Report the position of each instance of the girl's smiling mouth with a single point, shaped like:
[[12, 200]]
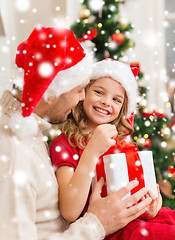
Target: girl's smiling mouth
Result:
[[102, 110]]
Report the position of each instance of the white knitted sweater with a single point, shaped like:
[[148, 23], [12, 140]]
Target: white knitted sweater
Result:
[[29, 190]]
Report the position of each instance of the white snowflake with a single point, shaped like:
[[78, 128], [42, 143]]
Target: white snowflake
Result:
[[20, 177], [42, 166], [57, 8], [5, 49], [75, 157], [45, 138], [47, 214], [58, 149], [22, 5], [137, 163], [144, 232], [4, 158], [92, 174], [64, 155], [112, 165], [45, 69], [34, 10], [71, 169], [96, 5], [49, 183]]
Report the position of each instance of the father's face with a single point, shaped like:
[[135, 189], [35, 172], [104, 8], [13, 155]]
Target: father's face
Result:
[[61, 106]]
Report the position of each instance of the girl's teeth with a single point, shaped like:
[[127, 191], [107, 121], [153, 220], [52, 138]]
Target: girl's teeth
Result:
[[101, 110]]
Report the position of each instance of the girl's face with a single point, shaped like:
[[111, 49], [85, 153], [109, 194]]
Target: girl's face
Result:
[[103, 101]]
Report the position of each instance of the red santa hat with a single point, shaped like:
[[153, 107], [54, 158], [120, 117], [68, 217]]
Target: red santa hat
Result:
[[122, 73], [53, 62]]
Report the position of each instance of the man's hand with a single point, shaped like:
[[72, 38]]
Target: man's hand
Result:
[[115, 213]]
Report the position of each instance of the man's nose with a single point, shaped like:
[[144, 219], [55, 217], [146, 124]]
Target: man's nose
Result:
[[82, 95]]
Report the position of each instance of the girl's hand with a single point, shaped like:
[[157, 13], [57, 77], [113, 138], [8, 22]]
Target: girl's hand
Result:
[[154, 207], [102, 139]]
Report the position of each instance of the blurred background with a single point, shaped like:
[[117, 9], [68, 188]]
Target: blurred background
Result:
[[138, 32]]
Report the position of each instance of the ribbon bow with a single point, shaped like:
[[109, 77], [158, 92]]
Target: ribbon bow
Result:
[[135, 169]]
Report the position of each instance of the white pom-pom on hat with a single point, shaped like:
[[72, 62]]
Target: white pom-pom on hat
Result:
[[23, 127]]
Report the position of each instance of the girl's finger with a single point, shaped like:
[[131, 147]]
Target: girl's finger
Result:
[[150, 193], [136, 197]]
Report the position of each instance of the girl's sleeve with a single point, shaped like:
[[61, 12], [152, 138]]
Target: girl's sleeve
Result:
[[62, 154]]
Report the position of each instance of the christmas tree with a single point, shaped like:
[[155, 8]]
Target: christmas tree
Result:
[[101, 24]]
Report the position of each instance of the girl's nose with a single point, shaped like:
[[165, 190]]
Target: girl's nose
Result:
[[106, 101]]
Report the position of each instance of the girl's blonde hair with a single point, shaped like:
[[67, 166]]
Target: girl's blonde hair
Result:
[[75, 126]]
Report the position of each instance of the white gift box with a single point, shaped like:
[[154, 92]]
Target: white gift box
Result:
[[116, 171]]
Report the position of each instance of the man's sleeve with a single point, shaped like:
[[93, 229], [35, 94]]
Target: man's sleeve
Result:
[[18, 206], [86, 228], [17, 198]]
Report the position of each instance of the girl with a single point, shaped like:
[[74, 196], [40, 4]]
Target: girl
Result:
[[90, 131]]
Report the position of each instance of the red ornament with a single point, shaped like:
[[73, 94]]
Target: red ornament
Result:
[[171, 170], [93, 32], [118, 38], [135, 64], [147, 143], [172, 123]]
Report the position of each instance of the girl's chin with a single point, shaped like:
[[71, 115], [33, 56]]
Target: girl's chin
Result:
[[97, 123]]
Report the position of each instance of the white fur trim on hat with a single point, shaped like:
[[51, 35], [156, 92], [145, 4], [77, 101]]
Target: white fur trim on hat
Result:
[[23, 127], [122, 73], [70, 78]]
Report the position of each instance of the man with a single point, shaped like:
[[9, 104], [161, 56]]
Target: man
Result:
[[56, 70]]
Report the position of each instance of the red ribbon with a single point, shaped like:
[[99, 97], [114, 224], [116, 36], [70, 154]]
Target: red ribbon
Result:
[[135, 169], [153, 113], [88, 36]]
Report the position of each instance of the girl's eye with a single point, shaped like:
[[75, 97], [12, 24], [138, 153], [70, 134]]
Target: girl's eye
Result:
[[98, 92], [116, 100]]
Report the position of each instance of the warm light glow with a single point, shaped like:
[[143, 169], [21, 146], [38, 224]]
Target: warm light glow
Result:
[[100, 25], [151, 117], [146, 135], [170, 175], [168, 104], [86, 21]]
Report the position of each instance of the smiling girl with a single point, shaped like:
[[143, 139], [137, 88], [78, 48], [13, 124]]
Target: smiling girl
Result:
[[90, 131]]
